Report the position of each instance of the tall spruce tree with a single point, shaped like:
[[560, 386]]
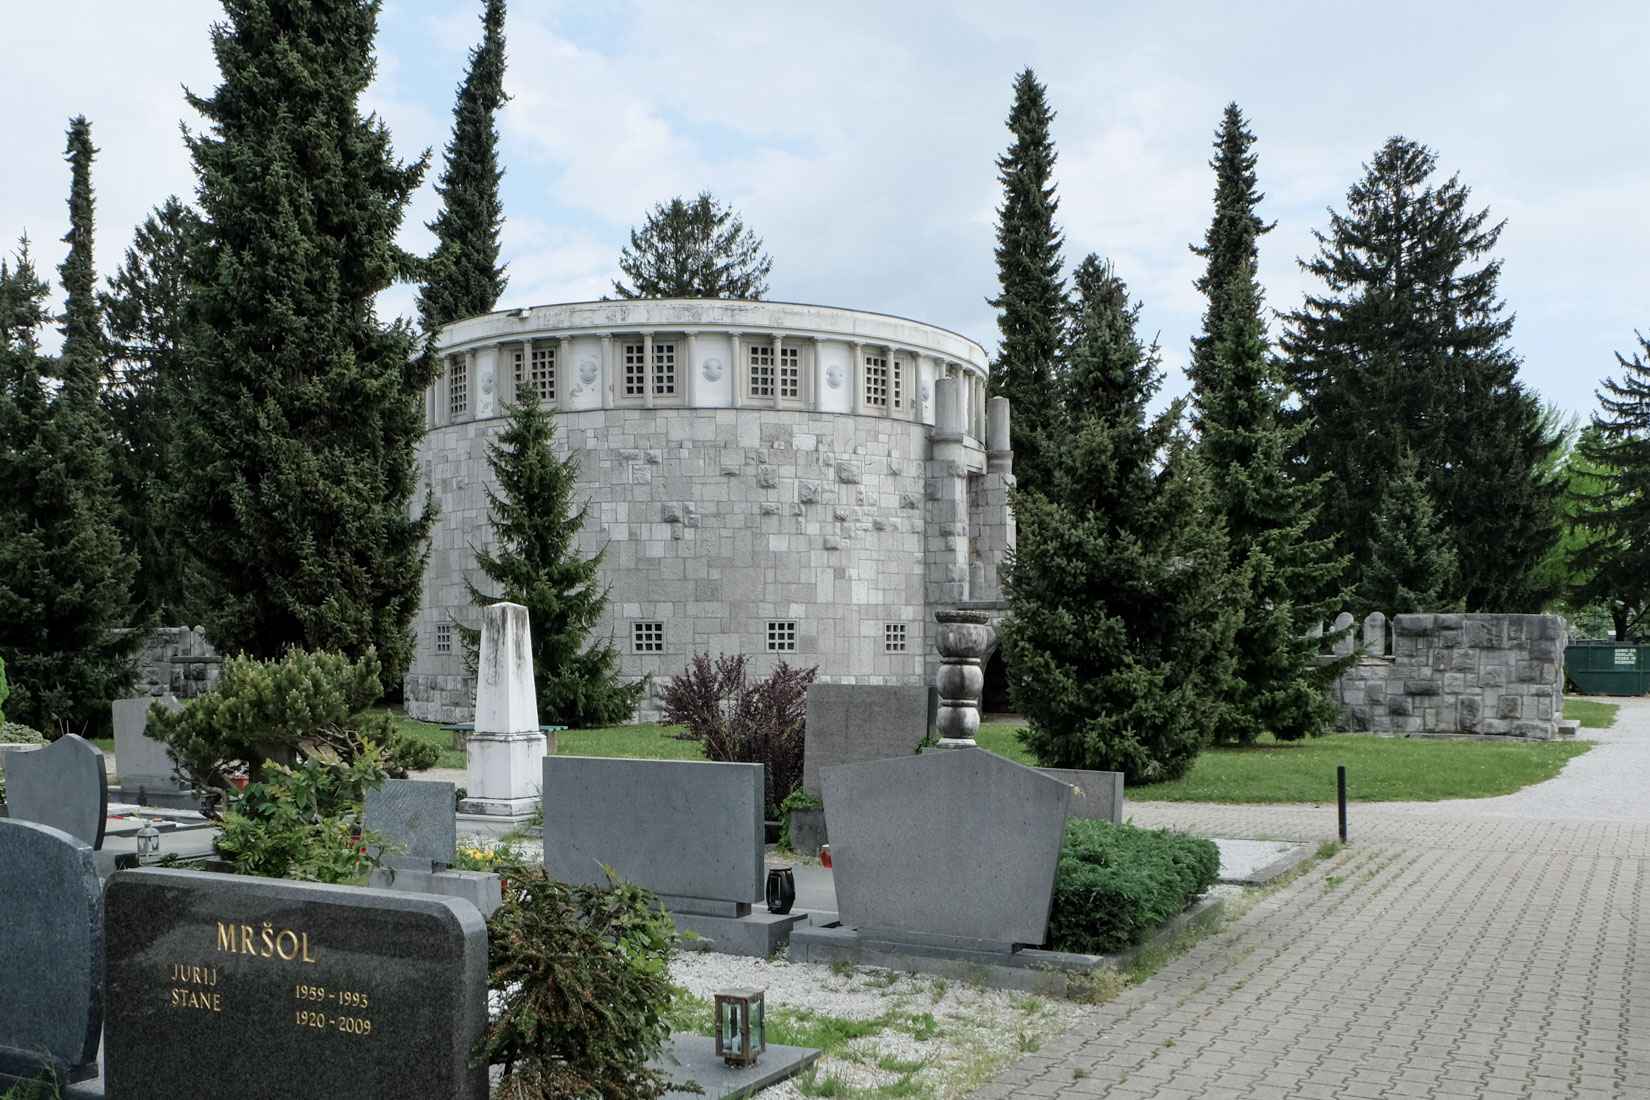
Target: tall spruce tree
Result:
[[464, 277], [143, 311], [1406, 351], [304, 409], [697, 249], [1612, 505], [1412, 566], [1031, 300], [535, 562], [1119, 635]]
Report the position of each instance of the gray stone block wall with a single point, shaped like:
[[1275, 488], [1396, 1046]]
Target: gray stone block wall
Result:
[[1500, 675], [177, 661]]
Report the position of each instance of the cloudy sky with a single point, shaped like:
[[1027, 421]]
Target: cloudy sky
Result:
[[858, 138]]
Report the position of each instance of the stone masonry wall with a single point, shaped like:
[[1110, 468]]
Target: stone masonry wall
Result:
[[1456, 674], [177, 660]]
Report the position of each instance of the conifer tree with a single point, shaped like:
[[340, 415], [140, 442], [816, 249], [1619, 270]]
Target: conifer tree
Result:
[[1412, 566], [535, 562], [1405, 350], [464, 277], [1031, 300], [143, 312], [697, 249], [1613, 505], [304, 409], [1119, 636]]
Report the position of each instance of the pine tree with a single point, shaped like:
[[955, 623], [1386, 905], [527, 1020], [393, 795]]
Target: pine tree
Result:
[[1031, 301], [464, 278], [535, 562], [1412, 567], [143, 311], [697, 249], [304, 410], [1613, 512], [1119, 636], [1229, 245], [1406, 351]]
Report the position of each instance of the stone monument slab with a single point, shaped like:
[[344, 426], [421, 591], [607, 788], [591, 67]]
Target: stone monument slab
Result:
[[956, 843], [504, 750], [64, 785], [1095, 796], [51, 953], [141, 761], [851, 723], [418, 816], [268, 989], [687, 828]]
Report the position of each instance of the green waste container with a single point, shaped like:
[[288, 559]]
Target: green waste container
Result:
[[1607, 668]]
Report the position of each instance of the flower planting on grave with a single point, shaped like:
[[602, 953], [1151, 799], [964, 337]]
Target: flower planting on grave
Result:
[[580, 976], [1118, 884], [305, 822], [740, 720]]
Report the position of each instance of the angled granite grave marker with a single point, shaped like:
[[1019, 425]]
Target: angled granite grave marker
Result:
[[141, 762], [416, 815], [262, 989], [51, 953], [848, 723], [64, 785]]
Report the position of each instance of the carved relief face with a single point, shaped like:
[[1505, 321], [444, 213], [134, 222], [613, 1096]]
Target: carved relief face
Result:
[[712, 369], [833, 376]]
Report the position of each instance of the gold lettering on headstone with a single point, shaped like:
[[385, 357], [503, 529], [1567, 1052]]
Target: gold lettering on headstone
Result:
[[264, 942]]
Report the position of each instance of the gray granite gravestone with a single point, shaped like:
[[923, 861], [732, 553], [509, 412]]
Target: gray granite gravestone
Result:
[[141, 762], [1095, 796], [263, 989], [51, 953], [418, 816], [849, 723], [64, 785], [955, 844]]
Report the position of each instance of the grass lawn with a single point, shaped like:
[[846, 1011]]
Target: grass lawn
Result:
[[641, 742], [1591, 713]]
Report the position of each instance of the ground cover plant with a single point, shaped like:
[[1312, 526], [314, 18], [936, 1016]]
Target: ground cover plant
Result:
[[1117, 884]]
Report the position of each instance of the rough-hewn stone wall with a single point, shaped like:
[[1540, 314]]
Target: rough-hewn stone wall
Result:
[[1457, 674], [177, 660]]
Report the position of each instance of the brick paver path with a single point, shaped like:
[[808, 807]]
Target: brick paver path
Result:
[[1485, 948]]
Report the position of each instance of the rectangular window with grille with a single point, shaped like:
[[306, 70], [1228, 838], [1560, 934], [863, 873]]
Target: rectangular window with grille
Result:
[[894, 380], [541, 373], [876, 381], [647, 637], [458, 387], [635, 370], [443, 637], [790, 372], [782, 636], [664, 370], [893, 637], [761, 371]]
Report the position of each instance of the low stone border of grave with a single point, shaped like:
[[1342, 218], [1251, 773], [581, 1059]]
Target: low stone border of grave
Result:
[[696, 1060], [1029, 970], [1265, 876]]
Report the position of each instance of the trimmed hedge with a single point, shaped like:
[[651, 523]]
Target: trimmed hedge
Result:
[[1117, 884]]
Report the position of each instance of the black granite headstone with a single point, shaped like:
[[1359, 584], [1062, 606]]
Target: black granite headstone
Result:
[[64, 785], [262, 989], [51, 952]]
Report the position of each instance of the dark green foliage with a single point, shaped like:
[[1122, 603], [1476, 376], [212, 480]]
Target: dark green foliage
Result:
[[583, 974], [303, 411], [1412, 566], [143, 311], [303, 706], [1031, 299], [1611, 501], [697, 249], [1405, 352], [464, 277], [304, 823], [1119, 639], [5, 690], [535, 562], [1118, 884], [743, 721]]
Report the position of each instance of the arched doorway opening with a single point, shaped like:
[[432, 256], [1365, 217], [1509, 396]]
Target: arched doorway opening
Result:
[[994, 699]]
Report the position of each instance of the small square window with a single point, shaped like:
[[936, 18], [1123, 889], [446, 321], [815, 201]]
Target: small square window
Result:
[[647, 637], [443, 637], [635, 370], [893, 637], [782, 636], [458, 387]]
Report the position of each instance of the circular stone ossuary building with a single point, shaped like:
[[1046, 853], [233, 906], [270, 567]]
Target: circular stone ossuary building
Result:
[[786, 481]]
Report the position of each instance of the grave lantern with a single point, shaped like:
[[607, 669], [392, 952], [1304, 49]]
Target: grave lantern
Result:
[[148, 840], [741, 1031]]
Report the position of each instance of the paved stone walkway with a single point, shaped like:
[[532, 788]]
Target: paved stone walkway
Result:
[[1480, 948]]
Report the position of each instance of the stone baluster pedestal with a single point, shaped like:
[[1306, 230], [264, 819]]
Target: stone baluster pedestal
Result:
[[506, 751], [962, 640]]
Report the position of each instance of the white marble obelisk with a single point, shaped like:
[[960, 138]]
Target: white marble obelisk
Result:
[[506, 756]]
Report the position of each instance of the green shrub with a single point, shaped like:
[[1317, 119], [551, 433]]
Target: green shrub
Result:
[[1117, 884], [582, 974], [302, 706], [304, 822], [4, 691], [16, 733]]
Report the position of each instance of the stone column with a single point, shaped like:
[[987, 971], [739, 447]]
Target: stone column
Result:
[[816, 375], [647, 370], [736, 377], [946, 537], [566, 372], [962, 639], [506, 751], [605, 378], [690, 377]]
